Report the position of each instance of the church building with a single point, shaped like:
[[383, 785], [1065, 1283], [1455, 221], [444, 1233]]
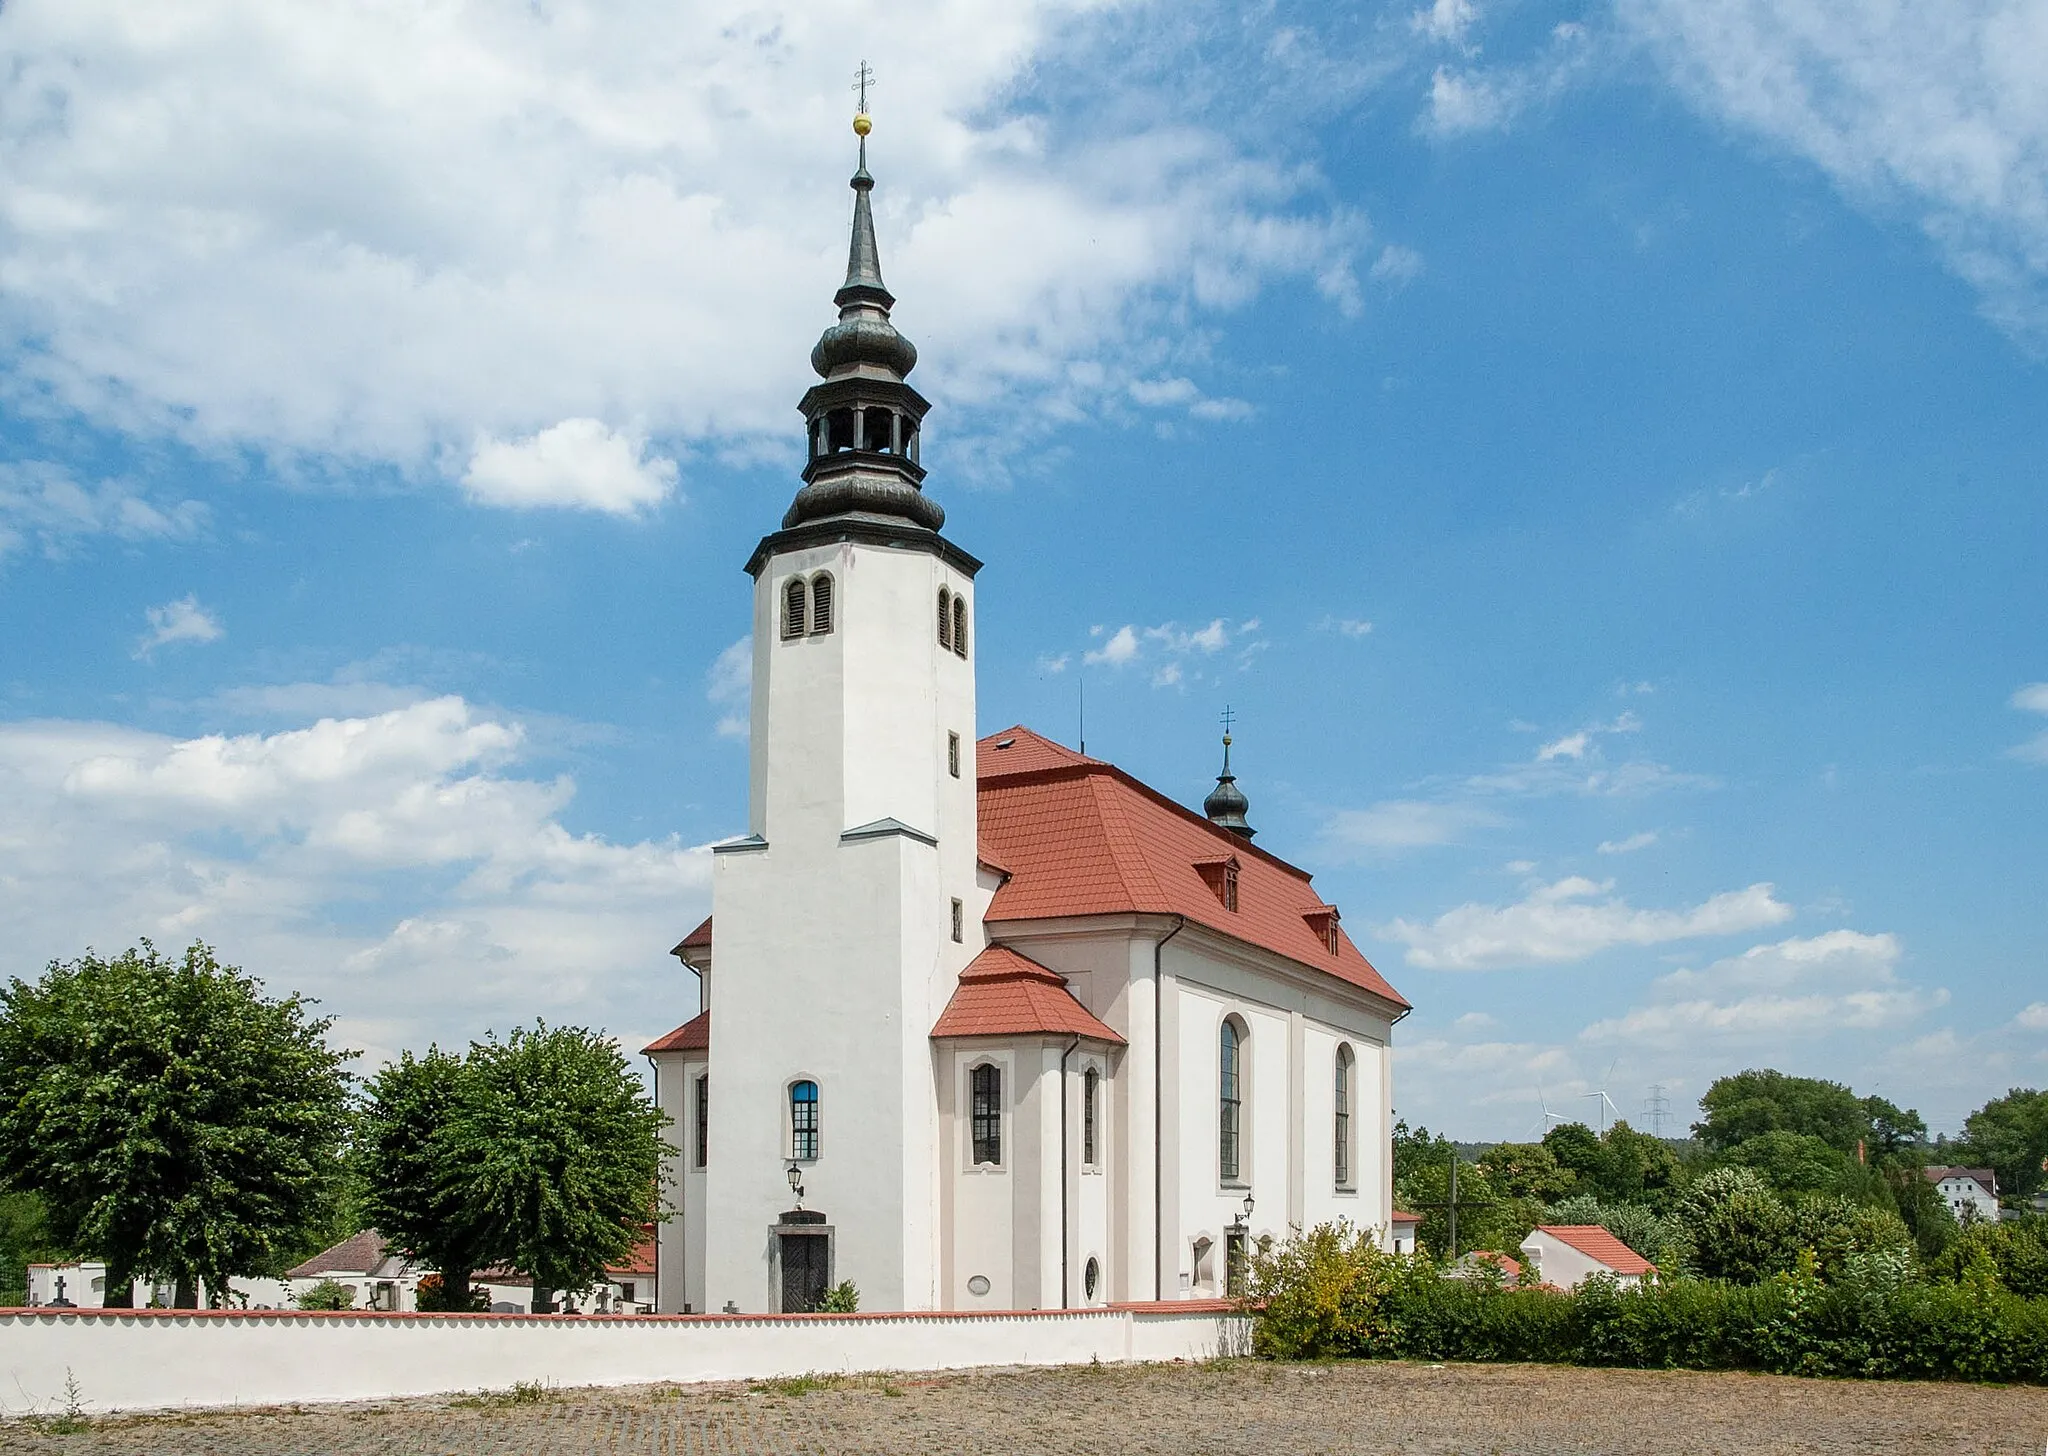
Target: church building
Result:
[[988, 1024]]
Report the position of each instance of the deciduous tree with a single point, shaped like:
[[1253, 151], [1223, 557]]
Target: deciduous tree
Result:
[[417, 1192]]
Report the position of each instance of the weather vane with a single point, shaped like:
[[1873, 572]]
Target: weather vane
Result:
[[862, 79]]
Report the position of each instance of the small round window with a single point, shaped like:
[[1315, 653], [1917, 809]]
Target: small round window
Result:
[[978, 1285], [1090, 1277]]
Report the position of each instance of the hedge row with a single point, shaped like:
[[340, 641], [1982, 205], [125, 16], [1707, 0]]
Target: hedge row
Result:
[[1330, 1293]]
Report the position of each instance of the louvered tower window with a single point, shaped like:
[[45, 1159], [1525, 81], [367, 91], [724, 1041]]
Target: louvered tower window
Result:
[[796, 616], [960, 626], [821, 604], [945, 619]]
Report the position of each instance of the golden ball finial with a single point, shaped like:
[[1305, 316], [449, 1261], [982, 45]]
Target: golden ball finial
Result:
[[862, 123]]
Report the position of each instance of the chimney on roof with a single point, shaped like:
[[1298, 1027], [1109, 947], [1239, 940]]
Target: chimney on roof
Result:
[[1226, 803]]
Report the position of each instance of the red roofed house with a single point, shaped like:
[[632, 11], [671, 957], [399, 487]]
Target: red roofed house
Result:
[[997, 1025], [1567, 1255]]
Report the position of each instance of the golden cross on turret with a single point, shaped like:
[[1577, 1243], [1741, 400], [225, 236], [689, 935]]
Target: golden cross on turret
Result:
[[1228, 718], [862, 79]]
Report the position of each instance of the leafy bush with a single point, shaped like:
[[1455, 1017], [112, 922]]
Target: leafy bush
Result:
[[2015, 1253], [1332, 1292], [328, 1294], [841, 1298], [432, 1294]]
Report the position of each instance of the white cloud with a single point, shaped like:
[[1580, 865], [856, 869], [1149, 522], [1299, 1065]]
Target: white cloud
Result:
[[42, 503], [2034, 1017], [577, 463], [1171, 651], [1932, 109], [2033, 698], [1345, 626], [181, 621], [1396, 265], [1445, 20], [1565, 921], [1394, 825], [397, 865], [729, 685], [1629, 845], [382, 232], [1493, 98], [1572, 746], [1052, 664], [1122, 647]]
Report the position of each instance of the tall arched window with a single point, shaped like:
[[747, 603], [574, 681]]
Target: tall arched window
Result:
[[985, 1086], [1343, 1116], [1230, 1100], [945, 619], [796, 616], [960, 626], [803, 1120], [1091, 1087], [821, 603]]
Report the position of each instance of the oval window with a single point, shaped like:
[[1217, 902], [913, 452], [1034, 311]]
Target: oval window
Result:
[[978, 1285], [1090, 1277]]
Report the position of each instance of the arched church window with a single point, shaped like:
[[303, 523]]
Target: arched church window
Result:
[[985, 1085], [1091, 1087], [796, 615], [959, 626], [803, 1120], [1343, 1116], [821, 604], [945, 619], [1230, 1100]]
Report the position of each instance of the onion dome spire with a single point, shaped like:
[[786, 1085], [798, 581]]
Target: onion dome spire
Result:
[[863, 421], [1226, 804]]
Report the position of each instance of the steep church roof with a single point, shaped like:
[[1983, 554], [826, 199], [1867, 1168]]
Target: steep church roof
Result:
[[1002, 993], [1082, 837]]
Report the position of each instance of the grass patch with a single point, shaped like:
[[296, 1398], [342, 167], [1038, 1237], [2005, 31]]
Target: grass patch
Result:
[[796, 1385], [521, 1392]]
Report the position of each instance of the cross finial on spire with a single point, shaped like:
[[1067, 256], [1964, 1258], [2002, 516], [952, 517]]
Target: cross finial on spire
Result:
[[1229, 718], [862, 79]]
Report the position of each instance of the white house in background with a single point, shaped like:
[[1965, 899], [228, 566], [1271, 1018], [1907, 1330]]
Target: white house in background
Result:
[[382, 1280], [1971, 1193], [1567, 1255], [1401, 1230], [986, 1024]]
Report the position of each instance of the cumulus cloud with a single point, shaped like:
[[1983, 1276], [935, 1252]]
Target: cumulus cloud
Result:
[[729, 686], [577, 463], [1395, 825], [399, 865], [1445, 20], [2033, 698], [2034, 1017], [1170, 651], [1476, 99], [44, 505], [1570, 920], [1629, 845], [384, 232], [1933, 110], [181, 621]]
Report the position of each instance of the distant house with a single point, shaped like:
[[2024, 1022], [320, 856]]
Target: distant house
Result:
[[1403, 1227], [1567, 1255], [378, 1278], [1472, 1265], [1971, 1193]]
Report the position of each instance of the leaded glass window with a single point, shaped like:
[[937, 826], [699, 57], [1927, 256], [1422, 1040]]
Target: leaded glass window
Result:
[[986, 1095], [803, 1120]]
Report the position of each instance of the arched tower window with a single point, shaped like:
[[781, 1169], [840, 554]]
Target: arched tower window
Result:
[[1343, 1116], [1091, 1088], [985, 1086], [796, 615], [945, 619], [880, 424], [839, 431], [959, 626], [821, 603], [803, 1121], [1230, 1100]]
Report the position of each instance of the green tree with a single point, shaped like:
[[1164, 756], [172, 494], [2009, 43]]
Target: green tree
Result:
[[1751, 1103], [560, 1153], [1640, 1167], [1836, 1228], [177, 1122], [2010, 1134], [1417, 1149], [1895, 1132], [2016, 1248], [1525, 1170], [1921, 1208], [1793, 1162], [416, 1184], [1578, 1148], [1731, 1226], [25, 1239]]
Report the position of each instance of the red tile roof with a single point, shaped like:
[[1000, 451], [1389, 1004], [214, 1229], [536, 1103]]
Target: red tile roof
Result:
[[698, 939], [1082, 837], [1597, 1244], [639, 1264], [1403, 1216], [357, 1255], [1510, 1267], [1002, 993], [693, 1035]]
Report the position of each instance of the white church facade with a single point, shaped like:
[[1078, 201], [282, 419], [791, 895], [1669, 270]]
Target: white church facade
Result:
[[986, 1024]]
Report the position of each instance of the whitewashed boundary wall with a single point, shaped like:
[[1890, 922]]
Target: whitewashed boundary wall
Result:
[[158, 1359]]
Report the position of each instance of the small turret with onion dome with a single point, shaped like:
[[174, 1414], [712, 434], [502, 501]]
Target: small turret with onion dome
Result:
[[863, 421], [1226, 805]]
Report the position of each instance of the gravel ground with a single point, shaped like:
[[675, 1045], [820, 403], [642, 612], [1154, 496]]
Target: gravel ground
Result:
[[1235, 1408]]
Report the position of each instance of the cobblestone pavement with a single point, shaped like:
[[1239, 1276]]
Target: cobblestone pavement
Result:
[[1240, 1408]]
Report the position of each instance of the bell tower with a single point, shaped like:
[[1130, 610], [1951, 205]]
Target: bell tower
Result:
[[843, 918]]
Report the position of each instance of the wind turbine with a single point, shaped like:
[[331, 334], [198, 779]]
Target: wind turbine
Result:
[[1548, 1117], [1606, 1102]]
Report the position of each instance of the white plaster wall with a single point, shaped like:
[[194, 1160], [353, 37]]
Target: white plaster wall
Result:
[[679, 1239], [169, 1359], [1089, 1222], [1362, 1203], [1559, 1263], [981, 1204]]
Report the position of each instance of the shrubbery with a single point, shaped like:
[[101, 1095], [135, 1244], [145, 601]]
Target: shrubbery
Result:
[[1333, 1292]]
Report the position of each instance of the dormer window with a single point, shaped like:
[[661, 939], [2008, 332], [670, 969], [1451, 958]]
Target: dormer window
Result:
[[1220, 875], [1323, 921]]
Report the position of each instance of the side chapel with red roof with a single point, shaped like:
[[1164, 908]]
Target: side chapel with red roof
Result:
[[987, 1024]]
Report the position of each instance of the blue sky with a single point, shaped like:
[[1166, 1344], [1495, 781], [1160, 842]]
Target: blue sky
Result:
[[1597, 449]]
